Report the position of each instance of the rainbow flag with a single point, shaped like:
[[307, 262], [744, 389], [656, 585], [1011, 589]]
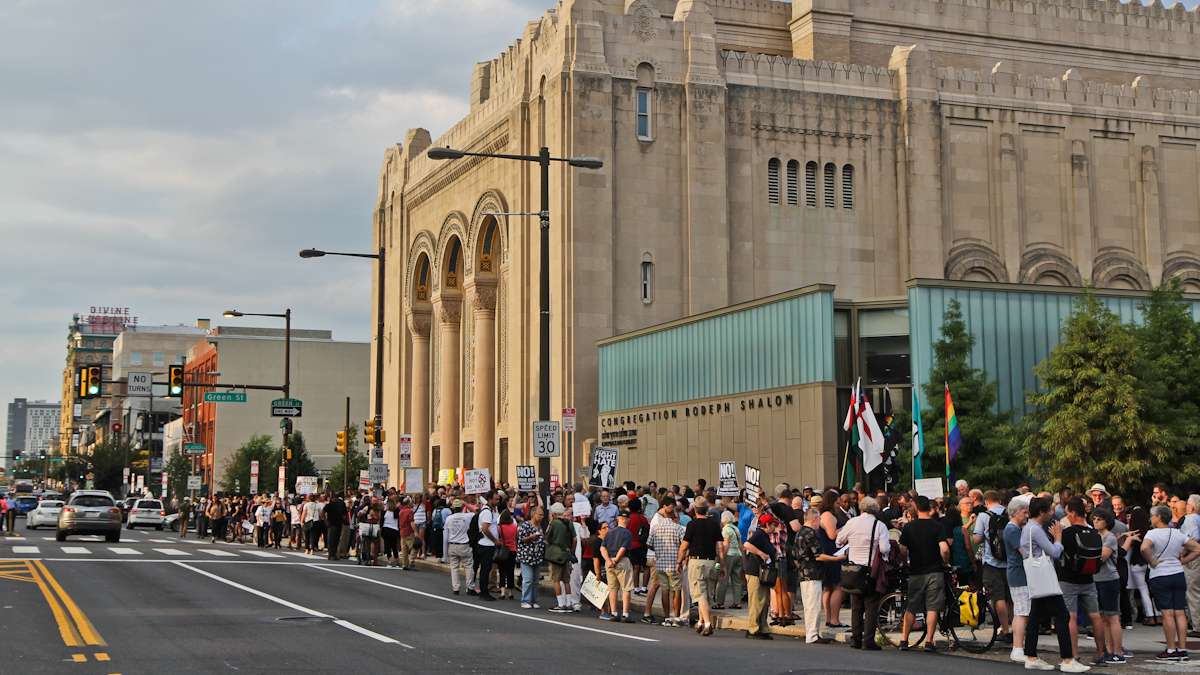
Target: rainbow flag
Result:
[[953, 434]]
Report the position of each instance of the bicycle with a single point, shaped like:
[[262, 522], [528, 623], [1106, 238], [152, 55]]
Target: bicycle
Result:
[[975, 639]]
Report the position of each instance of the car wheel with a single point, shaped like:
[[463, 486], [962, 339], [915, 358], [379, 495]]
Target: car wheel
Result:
[[114, 537], [61, 535]]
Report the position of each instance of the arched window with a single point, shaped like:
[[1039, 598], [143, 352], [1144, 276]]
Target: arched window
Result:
[[647, 278], [793, 193], [644, 101], [830, 195], [810, 184], [773, 181], [848, 186]]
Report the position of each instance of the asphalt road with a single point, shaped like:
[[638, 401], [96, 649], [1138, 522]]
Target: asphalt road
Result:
[[155, 604]]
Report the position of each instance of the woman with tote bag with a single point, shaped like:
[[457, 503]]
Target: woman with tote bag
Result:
[[1038, 554]]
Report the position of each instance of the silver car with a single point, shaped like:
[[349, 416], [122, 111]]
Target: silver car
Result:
[[46, 513], [147, 512], [90, 512]]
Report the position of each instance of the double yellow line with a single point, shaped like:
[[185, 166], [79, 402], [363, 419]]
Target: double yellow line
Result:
[[73, 625]]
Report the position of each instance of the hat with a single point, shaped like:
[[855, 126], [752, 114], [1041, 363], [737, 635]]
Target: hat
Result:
[[816, 501], [1098, 486], [557, 509], [807, 487], [623, 513], [456, 504], [766, 519]]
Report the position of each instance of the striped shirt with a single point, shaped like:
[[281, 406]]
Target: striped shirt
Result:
[[665, 538]]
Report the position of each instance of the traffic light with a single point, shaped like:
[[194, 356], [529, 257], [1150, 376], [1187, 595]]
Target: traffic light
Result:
[[175, 381], [90, 382], [287, 454], [341, 442], [369, 432]]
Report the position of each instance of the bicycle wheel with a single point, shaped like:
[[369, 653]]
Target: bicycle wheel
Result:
[[891, 620], [976, 639]]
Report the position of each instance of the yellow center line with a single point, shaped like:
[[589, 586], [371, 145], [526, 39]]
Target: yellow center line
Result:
[[66, 629], [86, 629], [101, 656], [79, 658]]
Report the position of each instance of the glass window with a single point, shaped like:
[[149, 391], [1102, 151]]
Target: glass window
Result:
[[842, 360], [883, 346], [644, 103], [160, 359], [647, 274], [135, 358]]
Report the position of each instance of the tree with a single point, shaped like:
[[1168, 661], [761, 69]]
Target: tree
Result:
[[356, 460], [106, 462], [1168, 346], [178, 468], [989, 454], [235, 476], [301, 463], [1089, 423]]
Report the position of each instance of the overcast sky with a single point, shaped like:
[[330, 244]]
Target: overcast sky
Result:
[[172, 157]]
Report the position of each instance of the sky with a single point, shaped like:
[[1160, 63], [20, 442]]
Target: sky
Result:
[[172, 157]]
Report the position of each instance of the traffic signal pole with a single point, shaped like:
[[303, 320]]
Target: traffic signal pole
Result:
[[346, 455]]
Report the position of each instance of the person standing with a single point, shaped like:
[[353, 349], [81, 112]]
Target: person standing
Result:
[[389, 531], [615, 551], [1191, 571], [1108, 586], [312, 516], [489, 537], [335, 520], [731, 567], [1083, 550], [1018, 515], [202, 518], [459, 547], [262, 524], [1167, 552], [923, 542], [867, 537], [606, 511], [760, 553], [832, 595], [560, 546], [185, 513], [407, 532], [810, 572], [665, 537], [531, 547], [989, 534], [702, 547], [1036, 544]]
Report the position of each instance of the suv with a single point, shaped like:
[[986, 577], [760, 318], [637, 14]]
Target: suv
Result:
[[90, 512], [147, 512]]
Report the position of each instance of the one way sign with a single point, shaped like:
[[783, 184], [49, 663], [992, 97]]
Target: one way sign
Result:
[[286, 407]]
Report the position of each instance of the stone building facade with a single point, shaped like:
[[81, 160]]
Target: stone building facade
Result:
[[755, 146]]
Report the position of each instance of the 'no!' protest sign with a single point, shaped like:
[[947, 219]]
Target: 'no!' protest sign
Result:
[[752, 488], [727, 472]]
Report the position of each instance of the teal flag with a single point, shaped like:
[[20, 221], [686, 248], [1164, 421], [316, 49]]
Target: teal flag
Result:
[[918, 436]]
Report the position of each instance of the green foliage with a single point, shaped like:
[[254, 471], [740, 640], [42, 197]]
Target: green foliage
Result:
[[356, 460], [989, 454], [178, 468], [1090, 422], [235, 475], [301, 463], [106, 462]]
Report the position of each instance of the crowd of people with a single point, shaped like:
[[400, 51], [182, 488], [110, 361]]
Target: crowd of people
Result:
[[1060, 564]]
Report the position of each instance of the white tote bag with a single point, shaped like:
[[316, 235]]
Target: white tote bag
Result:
[[1040, 577]]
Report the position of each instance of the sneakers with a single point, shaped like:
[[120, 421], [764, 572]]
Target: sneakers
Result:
[[1037, 664], [605, 616], [560, 609], [526, 605], [1017, 654], [1073, 667], [648, 619], [1100, 660], [627, 619], [1165, 655], [1115, 660], [1181, 655]]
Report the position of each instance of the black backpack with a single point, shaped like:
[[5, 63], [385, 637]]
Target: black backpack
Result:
[[473, 534], [1084, 557], [995, 535]]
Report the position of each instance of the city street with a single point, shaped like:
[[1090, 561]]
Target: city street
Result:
[[155, 604]]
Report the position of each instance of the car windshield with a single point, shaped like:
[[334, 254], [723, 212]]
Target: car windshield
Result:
[[26, 500], [50, 504], [149, 504], [91, 500]]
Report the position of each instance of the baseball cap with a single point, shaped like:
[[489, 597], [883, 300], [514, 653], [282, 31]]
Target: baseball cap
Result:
[[766, 519]]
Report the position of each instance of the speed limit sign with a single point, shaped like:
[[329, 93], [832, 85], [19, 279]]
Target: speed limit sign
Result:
[[546, 436]]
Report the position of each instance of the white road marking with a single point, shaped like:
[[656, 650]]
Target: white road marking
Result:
[[300, 608], [481, 608], [124, 551], [76, 549], [263, 554], [49, 539], [172, 551], [26, 549], [161, 541], [217, 552]]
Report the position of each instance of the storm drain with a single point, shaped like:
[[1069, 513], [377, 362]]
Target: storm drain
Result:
[[305, 619]]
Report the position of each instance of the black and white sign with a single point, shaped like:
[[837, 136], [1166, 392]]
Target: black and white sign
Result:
[[285, 411], [377, 454], [526, 478], [139, 384], [193, 482], [727, 473], [405, 451], [378, 473], [604, 468], [477, 481], [753, 490], [546, 435], [568, 419]]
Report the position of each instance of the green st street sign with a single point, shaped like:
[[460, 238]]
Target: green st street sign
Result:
[[194, 448], [288, 402], [225, 397]]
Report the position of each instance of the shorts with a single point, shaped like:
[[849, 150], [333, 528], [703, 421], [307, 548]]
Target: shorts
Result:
[[559, 573], [637, 557], [1020, 600], [1108, 593], [926, 593], [620, 578], [995, 580], [1080, 598], [668, 580], [701, 580], [1170, 592]]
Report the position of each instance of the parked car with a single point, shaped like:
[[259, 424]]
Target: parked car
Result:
[[147, 512], [46, 513], [90, 512], [25, 504]]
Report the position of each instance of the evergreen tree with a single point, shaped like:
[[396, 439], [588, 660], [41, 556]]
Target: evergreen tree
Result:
[[989, 454], [301, 463], [1089, 424], [106, 462], [178, 468], [356, 460], [1168, 345], [236, 472]]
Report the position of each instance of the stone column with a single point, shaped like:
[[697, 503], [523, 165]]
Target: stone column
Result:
[[483, 300], [449, 312], [418, 395]]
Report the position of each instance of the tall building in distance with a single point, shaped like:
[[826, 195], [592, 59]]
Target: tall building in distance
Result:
[[90, 340], [31, 427], [753, 147]]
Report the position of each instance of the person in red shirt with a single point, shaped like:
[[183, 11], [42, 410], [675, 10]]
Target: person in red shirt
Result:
[[407, 534], [640, 528]]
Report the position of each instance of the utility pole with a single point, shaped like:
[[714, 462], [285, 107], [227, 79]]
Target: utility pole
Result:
[[346, 457]]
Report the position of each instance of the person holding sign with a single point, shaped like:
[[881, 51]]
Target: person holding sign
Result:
[[615, 550]]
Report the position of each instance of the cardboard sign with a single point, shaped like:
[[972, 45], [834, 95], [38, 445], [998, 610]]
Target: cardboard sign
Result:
[[414, 480], [930, 487], [753, 491], [526, 478], [581, 508], [727, 473], [445, 477], [604, 468], [306, 485], [477, 481], [595, 591]]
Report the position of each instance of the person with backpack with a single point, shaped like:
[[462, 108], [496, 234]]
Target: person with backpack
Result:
[[1167, 550], [560, 549], [1083, 550], [989, 532]]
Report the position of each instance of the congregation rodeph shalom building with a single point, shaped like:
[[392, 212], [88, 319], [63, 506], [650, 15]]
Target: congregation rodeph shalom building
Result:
[[791, 193]]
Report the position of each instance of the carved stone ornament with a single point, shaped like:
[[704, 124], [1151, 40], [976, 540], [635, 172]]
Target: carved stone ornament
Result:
[[484, 297], [419, 323], [645, 22], [450, 311]]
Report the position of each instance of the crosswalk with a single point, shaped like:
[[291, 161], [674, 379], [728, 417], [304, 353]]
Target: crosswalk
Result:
[[125, 551]]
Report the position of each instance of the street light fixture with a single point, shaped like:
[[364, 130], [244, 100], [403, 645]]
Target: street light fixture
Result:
[[312, 253], [543, 160]]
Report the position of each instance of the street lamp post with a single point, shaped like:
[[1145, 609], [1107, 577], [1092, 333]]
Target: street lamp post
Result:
[[287, 357], [543, 160]]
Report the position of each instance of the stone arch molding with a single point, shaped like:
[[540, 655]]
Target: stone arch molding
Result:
[[1114, 266], [971, 259], [454, 225], [423, 243], [1045, 261], [492, 201], [1185, 267]]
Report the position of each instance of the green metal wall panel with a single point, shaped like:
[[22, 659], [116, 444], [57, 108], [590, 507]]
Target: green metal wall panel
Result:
[[776, 344], [1014, 330]]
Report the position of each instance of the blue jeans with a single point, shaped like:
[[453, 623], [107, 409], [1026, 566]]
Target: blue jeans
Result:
[[529, 582]]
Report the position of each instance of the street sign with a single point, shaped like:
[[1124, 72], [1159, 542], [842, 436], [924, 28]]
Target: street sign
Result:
[[139, 384], [294, 402], [194, 448], [224, 397], [364, 479], [376, 454], [193, 482], [568, 421], [405, 451], [286, 407], [282, 480], [546, 436], [254, 476], [377, 473]]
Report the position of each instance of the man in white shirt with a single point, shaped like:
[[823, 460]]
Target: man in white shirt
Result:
[[262, 523], [1191, 571], [489, 536], [459, 546], [866, 536]]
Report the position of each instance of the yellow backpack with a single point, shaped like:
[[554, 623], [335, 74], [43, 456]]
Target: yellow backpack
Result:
[[968, 609]]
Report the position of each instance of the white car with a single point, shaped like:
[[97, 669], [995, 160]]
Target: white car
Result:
[[46, 513], [147, 512]]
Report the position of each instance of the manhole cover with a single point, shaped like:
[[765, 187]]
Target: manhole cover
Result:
[[305, 619]]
